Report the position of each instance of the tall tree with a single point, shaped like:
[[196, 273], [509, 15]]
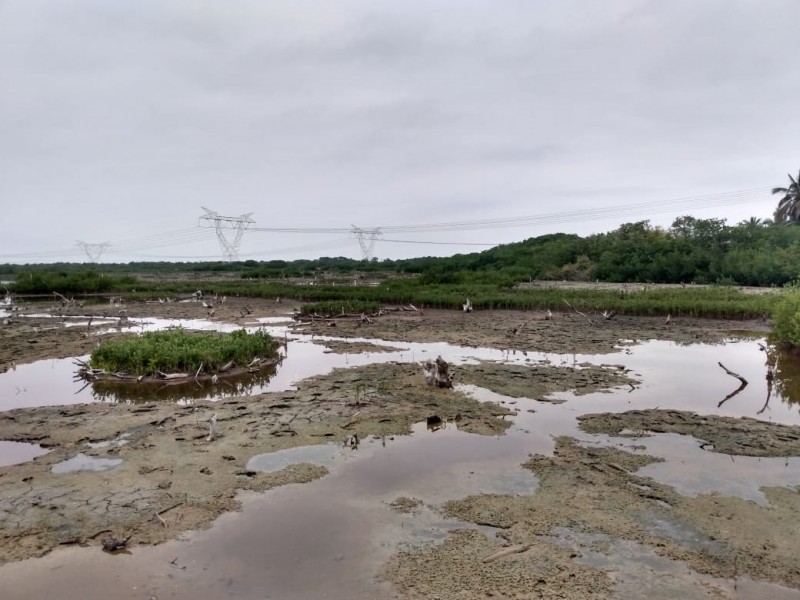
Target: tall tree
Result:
[[788, 210]]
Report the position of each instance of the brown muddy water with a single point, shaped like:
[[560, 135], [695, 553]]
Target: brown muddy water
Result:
[[329, 538]]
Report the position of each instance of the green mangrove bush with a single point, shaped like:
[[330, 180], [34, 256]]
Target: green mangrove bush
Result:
[[177, 350], [786, 318]]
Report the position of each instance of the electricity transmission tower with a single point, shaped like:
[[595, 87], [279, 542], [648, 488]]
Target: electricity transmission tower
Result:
[[366, 239], [93, 251], [230, 248]]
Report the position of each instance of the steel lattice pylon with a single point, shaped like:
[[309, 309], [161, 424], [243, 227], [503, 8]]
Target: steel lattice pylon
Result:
[[230, 248], [366, 239], [93, 251]]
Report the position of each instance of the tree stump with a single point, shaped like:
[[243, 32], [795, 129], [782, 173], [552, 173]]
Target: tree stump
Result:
[[437, 373]]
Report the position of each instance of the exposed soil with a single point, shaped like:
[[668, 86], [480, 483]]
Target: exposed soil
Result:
[[538, 381], [170, 466], [172, 478], [565, 333], [742, 437], [596, 490], [341, 347]]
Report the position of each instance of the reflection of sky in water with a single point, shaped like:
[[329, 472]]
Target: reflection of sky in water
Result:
[[640, 572], [14, 453], [672, 376], [299, 541], [82, 462]]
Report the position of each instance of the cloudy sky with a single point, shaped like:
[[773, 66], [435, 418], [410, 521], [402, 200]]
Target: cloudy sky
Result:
[[120, 120]]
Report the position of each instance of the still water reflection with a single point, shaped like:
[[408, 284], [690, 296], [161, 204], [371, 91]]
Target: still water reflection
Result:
[[328, 538]]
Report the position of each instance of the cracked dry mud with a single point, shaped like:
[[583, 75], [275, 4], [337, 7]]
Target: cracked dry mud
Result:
[[171, 474]]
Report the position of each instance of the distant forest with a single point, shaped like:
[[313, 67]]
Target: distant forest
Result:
[[707, 251]]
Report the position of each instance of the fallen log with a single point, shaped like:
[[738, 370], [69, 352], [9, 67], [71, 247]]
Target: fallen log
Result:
[[507, 552], [123, 376], [89, 375], [169, 376]]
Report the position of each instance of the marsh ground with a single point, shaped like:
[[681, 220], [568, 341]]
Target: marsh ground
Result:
[[590, 522]]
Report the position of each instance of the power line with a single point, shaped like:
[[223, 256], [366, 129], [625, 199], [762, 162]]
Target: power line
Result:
[[240, 224], [439, 243], [555, 218], [591, 214], [347, 242]]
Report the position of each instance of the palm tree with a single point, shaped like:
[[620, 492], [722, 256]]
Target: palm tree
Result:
[[752, 223], [788, 210]]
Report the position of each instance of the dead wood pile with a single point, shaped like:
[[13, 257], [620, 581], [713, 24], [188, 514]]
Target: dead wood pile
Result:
[[437, 373]]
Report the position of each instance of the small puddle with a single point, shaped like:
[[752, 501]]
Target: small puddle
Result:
[[15, 453], [434, 466], [83, 462], [324, 455], [692, 470], [324, 539]]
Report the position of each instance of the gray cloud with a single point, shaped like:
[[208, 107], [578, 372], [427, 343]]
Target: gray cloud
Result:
[[119, 120]]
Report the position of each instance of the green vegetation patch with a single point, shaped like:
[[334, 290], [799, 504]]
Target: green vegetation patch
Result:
[[68, 282], [177, 350], [786, 318]]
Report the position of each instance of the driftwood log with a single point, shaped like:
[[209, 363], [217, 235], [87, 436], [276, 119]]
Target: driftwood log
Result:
[[88, 374], [437, 373]]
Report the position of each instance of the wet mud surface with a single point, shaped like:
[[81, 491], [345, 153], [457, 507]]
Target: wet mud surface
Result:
[[726, 435], [170, 467], [586, 520], [597, 491], [531, 331]]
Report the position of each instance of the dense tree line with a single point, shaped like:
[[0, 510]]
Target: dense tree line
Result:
[[753, 252], [690, 251]]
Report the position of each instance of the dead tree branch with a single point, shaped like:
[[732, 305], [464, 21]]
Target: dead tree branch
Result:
[[732, 374], [579, 312], [737, 390]]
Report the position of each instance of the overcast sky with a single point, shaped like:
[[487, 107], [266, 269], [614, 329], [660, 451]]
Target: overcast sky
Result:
[[120, 120]]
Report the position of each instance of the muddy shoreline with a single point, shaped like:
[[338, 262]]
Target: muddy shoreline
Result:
[[172, 478]]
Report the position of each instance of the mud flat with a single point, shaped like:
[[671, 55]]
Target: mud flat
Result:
[[169, 466], [530, 331], [596, 492], [739, 437], [595, 527]]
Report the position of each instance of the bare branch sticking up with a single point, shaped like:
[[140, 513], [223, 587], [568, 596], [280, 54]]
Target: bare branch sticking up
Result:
[[579, 312], [212, 428]]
